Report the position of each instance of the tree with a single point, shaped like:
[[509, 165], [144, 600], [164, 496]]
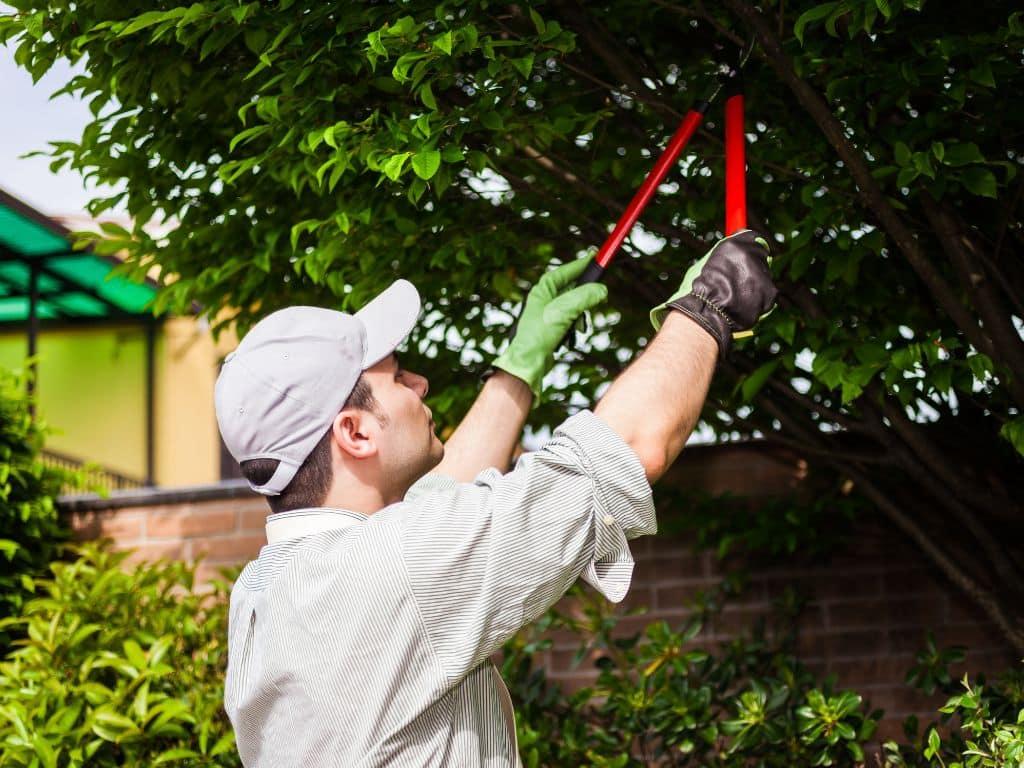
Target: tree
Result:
[[311, 152]]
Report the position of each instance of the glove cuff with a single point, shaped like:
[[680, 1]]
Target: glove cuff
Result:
[[708, 316], [510, 362]]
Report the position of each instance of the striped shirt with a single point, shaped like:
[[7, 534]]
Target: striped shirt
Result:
[[365, 641]]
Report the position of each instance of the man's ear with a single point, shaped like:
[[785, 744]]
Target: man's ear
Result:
[[352, 431]]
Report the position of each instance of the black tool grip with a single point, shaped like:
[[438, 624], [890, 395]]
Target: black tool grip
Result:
[[592, 274]]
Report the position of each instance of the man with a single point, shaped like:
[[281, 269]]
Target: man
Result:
[[396, 566]]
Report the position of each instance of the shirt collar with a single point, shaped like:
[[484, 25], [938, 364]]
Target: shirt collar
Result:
[[296, 523]]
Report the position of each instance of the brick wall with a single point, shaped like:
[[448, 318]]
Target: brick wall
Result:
[[868, 607], [222, 524]]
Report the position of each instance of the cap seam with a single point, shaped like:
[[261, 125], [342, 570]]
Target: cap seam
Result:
[[302, 405]]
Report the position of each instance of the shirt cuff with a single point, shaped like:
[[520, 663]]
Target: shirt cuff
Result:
[[623, 503]]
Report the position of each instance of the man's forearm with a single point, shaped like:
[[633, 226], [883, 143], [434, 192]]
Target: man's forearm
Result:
[[655, 403], [489, 433]]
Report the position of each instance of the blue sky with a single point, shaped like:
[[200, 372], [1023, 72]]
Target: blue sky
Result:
[[32, 119]]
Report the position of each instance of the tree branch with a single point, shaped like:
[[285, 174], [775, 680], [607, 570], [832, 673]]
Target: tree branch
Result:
[[868, 190], [988, 602], [1005, 339]]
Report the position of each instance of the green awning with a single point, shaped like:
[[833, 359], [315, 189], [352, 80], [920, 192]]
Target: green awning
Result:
[[70, 285]]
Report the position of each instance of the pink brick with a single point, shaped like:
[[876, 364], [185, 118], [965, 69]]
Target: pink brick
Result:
[[253, 518], [226, 549], [120, 525], [188, 523], [166, 550]]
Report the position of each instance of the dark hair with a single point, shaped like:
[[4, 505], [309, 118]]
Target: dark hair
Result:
[[310, 485]]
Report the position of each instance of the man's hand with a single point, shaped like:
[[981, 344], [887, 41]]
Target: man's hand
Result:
[[551, 309], [727, 291], [489, 433]]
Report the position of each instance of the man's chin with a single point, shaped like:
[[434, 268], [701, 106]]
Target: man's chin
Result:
[[436, 453]]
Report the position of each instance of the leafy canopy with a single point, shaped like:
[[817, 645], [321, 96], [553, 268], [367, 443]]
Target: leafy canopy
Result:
[[312, 152]]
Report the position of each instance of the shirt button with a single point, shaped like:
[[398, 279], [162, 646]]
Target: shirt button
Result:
[[609, 520]]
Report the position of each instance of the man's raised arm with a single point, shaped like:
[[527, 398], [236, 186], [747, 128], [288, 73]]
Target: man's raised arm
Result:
[[656, 402]]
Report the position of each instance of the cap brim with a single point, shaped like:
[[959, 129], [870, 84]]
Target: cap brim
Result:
[[388, 319]]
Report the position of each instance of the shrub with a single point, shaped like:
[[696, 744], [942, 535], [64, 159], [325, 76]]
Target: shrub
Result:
[[990, 732], [117, 668], [32, 530], [659, 700], [127, 668]]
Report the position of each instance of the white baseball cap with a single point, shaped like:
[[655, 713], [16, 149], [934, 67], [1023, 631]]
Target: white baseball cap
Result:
[[278, 393]]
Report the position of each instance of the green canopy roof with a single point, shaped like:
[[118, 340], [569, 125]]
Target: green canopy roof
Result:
[[70, 285]]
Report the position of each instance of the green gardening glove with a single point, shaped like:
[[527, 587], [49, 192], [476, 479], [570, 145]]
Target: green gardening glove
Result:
[[551, 309]]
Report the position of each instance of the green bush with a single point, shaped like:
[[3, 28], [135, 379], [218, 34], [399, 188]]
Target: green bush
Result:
[[122, 667], [659, 700], [31, 528], [990, 717], [117, 668]]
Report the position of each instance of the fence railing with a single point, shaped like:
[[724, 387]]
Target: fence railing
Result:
[[95, 477]]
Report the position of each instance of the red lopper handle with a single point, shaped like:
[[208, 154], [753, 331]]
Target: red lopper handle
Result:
[[643, 195], [735, 166]]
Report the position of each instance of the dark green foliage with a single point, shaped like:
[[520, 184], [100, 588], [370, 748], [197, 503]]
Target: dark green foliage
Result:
[[662, 699], [31, 530], [126, 668], [311, 152], [118, 668]]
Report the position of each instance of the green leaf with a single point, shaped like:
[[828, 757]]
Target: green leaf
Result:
[[538, 22], [309, 225], [9, 548], [443, 43], [427, 96], [982, 74], [524, 65], [400, 71], [392, 167], [247, 135], [148, 19], [816, 13], [980, 181], [1013, 432], [452, 154], [958, 153], [425, 163], [174, 755], [374, 42], [753, 383], [134, 653]]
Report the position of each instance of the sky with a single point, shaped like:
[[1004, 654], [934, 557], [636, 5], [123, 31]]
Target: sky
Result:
[[32, 120]]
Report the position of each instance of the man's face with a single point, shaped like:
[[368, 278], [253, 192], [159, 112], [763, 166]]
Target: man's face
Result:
[[407, 445]]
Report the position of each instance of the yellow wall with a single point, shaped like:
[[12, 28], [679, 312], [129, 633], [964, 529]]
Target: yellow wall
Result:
[[188, 444], [91, 388]]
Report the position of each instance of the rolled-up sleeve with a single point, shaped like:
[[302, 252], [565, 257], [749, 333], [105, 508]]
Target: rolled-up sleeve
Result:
[[484, 558]]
